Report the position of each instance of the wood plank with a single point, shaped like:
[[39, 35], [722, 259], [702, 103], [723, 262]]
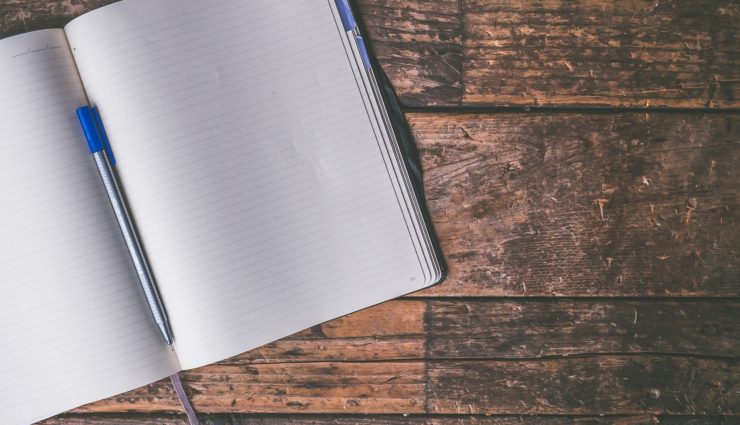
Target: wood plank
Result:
[[310, 388], [572, 204], [419, 45], [296, 374], [363, 380], [582, 420], [325, 387], [510, 329], [592, 385], [241, 419], [393, 330], [670, 53], [585, 385], [19, 16], [470, 329]]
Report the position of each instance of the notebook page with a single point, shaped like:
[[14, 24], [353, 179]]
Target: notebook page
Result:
[[73, 325], [250, 163], [387, 138]]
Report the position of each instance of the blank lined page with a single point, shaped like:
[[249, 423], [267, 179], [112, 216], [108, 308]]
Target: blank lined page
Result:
[[250, 163], [73, 326]]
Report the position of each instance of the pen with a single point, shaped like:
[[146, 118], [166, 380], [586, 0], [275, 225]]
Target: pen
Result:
[[101, 151]]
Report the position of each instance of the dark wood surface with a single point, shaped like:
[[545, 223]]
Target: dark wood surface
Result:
[[593, 239], [584, 204], [244, 419], [666, 53]]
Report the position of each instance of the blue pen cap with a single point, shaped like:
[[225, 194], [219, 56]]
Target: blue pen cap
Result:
[[345, 12], [363, 52], [94, 141], [103, 135]]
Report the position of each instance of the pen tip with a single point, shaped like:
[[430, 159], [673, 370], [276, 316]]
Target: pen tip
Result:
[[166, 334]]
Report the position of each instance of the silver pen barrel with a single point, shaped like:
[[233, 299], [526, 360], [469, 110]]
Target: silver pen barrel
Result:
[[143, 271]]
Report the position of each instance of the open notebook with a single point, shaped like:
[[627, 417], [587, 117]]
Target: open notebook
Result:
[[265, 167]]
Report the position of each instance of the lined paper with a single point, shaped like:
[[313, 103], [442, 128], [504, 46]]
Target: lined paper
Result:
[[74, 327], [251, 165], [394, 159]]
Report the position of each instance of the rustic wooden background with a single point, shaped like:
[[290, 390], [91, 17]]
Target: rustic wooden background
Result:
[[582, 170]]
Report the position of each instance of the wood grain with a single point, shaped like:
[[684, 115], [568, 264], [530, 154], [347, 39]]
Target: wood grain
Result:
[[393, 330], [324, 387], [570, 204], [475, 329], [613, 384], [668, 53], [19, 16], [512, 329], [554, 53], [419, 44], [516, 335], [242, 419], [602, 384]]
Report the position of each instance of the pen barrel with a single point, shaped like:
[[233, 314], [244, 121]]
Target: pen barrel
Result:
[[133, 242]]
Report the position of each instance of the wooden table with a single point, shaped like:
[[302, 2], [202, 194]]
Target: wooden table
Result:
[[583, 173]]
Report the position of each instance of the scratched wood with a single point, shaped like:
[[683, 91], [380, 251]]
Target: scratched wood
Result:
[[667, 53], [336, 368], [419, 44], [19, 16], [588, 385], [512, 329], [390, 331], [316, 387], [241, 419], [570, 204], [603, 384], [554, 53], [485, 329]]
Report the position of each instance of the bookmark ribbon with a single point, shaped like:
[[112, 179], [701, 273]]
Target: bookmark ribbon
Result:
[[180, 391]]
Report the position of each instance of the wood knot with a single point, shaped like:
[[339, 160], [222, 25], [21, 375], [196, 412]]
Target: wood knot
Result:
[[296, 404], [654, 393], [691, 203]]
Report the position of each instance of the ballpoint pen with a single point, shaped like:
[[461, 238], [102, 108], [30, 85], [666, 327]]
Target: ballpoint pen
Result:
[[100, 149]]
